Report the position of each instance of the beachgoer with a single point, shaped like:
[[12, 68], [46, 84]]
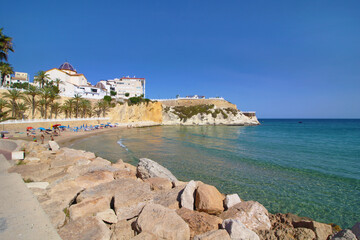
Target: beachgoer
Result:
[[42, 138], [51, 138], [34, 138]]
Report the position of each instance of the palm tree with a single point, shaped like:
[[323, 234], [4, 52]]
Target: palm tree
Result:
[[58, 82], [41, 107], [5, 69], [3, 116], [42, 78], [55, 108], [52, 97], [70, 104], [45, 95], [21, 108], [103, 106], [77, 98], [32, 92], [84, 105], [5, 46], [3, 104], [65, 109], [13, 96], [32, 103]]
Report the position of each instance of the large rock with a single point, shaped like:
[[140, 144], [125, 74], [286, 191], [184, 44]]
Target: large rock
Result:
[[89, 207], [238, 231], [322, 230], [162, 222], [209, 199], [252, 214], [37, 172], [169, 198], [145, 236], [107, 216], [148, 168], [356, 229], [157, 183], [92, 179], [122, 230], [88, 228], [188, 195], [125, 173], [220, 234], [130, 200], [231, 200], [199, 222], [54, 146], [110, 188], [58, 200], [41, 185], [345, 234]]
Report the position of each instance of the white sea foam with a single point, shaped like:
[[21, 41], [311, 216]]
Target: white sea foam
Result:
[[122, 145]]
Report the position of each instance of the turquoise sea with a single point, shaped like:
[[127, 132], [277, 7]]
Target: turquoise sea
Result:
[[310, 169]]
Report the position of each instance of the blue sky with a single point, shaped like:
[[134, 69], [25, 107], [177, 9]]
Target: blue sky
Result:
[[283, 59]]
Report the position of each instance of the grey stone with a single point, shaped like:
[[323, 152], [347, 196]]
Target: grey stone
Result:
[[238, 231], [54, 146], [356, 229], [188, 195], [148, 168], [345, 234], [231, 200]]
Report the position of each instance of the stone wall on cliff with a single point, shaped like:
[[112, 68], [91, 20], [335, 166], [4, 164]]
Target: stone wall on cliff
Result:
[[220, 103]]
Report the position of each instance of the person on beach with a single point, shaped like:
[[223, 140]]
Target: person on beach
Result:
[[34, 138], [42, 138], [51, 137]]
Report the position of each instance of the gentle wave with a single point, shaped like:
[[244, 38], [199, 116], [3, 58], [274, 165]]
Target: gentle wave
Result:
[[122, 145]]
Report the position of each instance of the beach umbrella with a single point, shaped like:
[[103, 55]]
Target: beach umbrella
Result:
[[62, 127], [41, 128], [56, 125], [4, 132], [29, 128]]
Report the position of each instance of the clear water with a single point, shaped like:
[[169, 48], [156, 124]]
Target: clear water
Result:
[[310, 169]]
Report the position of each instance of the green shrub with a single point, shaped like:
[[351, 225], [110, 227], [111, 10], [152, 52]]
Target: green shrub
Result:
[[113, 93], [187, 112]]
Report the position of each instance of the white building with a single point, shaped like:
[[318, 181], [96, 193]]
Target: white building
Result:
[[19, 77], [74, 83], [124, 87]]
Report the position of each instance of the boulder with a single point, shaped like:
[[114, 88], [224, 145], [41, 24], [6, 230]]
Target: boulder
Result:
[[54, 146], [301, 234], [41, 185], [110, 188], [88, 228], [125, 173], [92, 179], [89, 207], [36, 172], [100, 162], [164, 223], [322, 230], [130, 167], [199, 222], [31, 159], [209, 199], [188, 195], [345, 234], [119, 164], [129, 200], [169, 198], [214, 235], [356, 229], [145, 236], [238, 231], [107, 216], [252, 214], [147, 168], [157, 183], [122, 230], [231, 200], [59, 199]]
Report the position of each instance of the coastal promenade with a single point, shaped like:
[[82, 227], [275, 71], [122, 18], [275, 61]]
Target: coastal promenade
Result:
[[21, 216]]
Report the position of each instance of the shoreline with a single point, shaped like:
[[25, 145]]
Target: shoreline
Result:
[[129, 174]]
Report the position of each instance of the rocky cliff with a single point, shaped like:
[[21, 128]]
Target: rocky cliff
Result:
[[205, 115]]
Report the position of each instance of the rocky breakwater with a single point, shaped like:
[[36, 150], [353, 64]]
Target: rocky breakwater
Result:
[[205, 115], [87, 197]]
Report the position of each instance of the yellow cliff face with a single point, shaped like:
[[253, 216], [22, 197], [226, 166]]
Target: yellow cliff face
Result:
[[151, 111]]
